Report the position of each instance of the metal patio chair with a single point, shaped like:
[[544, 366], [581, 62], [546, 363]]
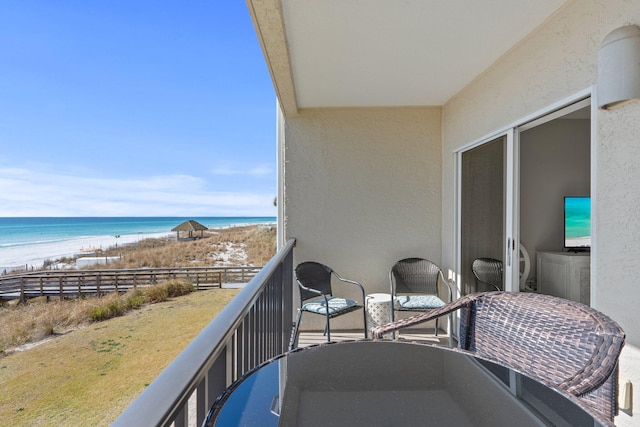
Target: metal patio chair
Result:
[[316, 296], [488, 274], [561, 343]]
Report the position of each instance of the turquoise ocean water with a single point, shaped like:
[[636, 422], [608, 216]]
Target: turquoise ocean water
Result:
[[15, 232], [577, 217]]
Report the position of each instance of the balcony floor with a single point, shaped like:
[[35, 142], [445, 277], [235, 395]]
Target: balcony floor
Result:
[[308, 338]]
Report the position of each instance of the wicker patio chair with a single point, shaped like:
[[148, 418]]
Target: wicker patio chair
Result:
[[562, 343], [488, 273], [316, 296], [414, 286]]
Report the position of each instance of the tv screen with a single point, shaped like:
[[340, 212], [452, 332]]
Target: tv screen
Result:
[[577, 222]]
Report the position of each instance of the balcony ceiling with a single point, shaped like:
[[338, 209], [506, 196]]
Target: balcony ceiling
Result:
[[353, 53]]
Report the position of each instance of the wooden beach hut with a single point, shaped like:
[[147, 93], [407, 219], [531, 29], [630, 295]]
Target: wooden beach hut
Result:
[[190, 227]]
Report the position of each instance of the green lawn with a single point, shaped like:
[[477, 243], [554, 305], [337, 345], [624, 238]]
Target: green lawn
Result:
[[88, 377]]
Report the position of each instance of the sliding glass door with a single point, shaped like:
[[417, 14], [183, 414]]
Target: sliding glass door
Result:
[[482, 202], [499, 179], [487, 212]]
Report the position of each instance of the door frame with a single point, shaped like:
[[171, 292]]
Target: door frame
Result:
[[511, 133]]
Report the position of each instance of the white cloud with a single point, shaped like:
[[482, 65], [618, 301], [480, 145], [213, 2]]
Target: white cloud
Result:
[[259, 170], [26, 192]]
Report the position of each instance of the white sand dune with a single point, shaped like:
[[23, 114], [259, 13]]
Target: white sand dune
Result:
[[36, 255]]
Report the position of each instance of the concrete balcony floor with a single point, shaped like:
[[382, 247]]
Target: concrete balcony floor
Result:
[[308, 338]]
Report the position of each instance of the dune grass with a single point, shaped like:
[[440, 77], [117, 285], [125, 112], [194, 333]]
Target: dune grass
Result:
[[38, 319], [247, 245], [90, 376]]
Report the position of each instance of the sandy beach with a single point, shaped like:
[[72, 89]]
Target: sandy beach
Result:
[[36, 254], [578, 242]]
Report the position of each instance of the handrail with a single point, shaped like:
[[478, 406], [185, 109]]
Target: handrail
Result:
[[254, 327]]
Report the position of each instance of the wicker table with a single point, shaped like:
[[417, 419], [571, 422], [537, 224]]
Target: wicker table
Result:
[[391, 383]]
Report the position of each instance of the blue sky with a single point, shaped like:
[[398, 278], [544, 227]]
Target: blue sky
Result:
[[134, 108]]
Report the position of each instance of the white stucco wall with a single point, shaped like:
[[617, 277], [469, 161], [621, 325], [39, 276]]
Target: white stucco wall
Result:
[[391, 207], [556, 61], [617, 256]]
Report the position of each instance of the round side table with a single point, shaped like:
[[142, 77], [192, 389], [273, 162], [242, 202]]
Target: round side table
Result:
[[378, 308]]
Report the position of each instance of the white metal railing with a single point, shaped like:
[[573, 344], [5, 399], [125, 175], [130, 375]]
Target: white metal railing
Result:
[[254, 327]]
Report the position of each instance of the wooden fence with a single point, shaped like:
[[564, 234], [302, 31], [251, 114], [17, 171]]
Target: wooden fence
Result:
[[67, 283]]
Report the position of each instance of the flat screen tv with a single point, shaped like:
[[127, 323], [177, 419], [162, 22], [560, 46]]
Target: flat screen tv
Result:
[[577, 222]]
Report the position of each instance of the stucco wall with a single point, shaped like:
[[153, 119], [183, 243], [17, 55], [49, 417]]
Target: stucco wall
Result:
[[391, 207], [556, 61], [617, 255]]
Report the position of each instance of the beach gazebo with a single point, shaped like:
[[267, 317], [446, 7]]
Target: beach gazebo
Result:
[[190, 227]]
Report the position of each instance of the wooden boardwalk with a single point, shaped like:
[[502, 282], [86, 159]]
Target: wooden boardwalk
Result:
[[67, 283]]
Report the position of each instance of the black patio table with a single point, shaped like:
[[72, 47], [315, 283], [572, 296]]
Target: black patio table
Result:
[[389, 383]]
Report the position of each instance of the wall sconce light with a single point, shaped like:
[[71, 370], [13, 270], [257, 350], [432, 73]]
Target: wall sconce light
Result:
[[619, 68]]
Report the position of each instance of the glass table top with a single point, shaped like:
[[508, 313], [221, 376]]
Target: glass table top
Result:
[[389, 383]]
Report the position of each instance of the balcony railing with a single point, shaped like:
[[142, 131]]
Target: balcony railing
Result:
[[254, 327]]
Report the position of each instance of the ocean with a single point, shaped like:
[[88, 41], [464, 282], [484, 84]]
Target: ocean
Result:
[[31, 241], [577, 220]]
